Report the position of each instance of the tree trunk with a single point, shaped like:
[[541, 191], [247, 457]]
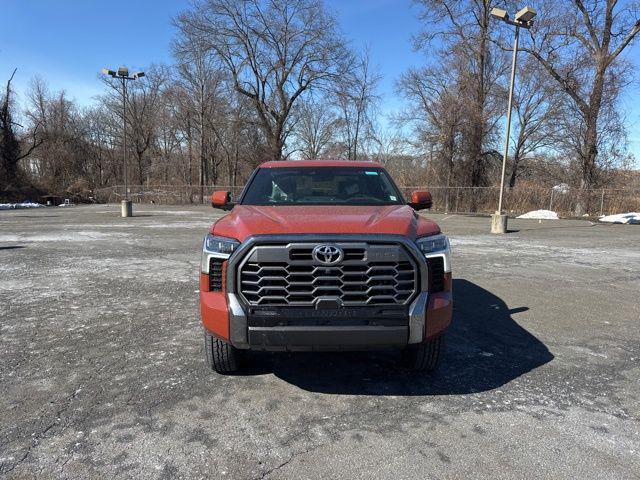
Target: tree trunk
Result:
[[276, 142], [235, 165], [478, 129], [514, 173], [213, 178], [201, 170], [190, 154], [589, 149], [588, 155], [448, 152], [9, 144], [140, 169], [514, 168]]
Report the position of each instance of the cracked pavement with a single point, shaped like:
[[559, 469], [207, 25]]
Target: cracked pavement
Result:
[[103, 371]]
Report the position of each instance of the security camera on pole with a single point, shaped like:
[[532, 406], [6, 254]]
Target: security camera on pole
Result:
[[524, 18], [123, 75]]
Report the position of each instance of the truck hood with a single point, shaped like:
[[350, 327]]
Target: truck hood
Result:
[[247, 220]]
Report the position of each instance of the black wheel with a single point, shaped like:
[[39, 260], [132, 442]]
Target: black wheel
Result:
[[221, 356], [424, 357]]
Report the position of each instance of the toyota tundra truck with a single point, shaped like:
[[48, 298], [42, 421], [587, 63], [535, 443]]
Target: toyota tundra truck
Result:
[[324, 255]]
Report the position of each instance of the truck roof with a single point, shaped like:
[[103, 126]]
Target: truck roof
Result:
[[319, 163]]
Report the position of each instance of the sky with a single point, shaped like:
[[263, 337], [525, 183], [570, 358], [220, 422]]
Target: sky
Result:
[[67, 42]]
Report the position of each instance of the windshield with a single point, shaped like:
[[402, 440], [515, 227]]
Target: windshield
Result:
[[321, 186]]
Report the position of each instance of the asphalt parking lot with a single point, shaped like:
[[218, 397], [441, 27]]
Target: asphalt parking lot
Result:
[[102, 370]]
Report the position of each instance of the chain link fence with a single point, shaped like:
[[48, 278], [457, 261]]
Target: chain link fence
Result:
[[445, 199], [163, 194], [525, 199]]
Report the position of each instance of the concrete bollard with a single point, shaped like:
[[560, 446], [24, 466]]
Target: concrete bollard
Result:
[[499, 223], [127, 208]]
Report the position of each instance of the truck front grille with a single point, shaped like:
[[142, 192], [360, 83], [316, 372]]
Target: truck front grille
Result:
[[368, 274]]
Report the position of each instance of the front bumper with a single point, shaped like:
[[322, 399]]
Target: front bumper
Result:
[[229, 318], [325, 338], [223, 316]]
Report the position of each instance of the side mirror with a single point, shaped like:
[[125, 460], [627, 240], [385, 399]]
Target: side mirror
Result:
[[221, 199], [420, 200]]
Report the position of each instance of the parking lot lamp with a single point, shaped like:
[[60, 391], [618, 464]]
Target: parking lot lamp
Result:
[[123, 74], [524, 19]]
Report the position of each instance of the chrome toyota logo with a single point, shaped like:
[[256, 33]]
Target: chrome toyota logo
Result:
[[327, 254]]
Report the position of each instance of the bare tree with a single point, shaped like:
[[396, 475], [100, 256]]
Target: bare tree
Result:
[[464, 28], [579, 44], [245, 146], [389, 146], [179, 104], [11, 149], [436, 111], [357, 99], [537, 108], [62, 153], [102, 140], [169, 137], [239, 137], [274, 51], [316, 127], [202, 81], [143, 109], [143, 104]]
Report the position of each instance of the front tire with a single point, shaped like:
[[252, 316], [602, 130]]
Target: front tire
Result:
[[424, 357], [221, 356]]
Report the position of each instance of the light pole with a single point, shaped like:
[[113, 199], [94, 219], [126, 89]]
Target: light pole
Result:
[[123, 74], [524, 19]]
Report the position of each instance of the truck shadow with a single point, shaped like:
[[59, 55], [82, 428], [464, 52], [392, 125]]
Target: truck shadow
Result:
[[485, 349]]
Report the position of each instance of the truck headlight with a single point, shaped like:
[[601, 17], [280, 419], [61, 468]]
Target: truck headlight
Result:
[[433, 243], [436, 246], [216, 247], [223, 245]]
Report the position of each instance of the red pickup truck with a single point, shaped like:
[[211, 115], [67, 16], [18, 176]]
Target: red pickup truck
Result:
[[324, 255]]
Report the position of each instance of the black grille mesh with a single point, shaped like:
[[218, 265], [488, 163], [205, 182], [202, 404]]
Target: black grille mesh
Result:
[[436, 274], [215, 274]]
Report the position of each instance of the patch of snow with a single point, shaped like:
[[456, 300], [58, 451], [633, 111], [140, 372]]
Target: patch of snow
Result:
[[194, 224], [540, 215], [631, 218], [168, 212], [81, 236], [11, 206], [562, 188]]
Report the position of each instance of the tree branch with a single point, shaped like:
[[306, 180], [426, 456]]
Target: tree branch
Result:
[[627, 40]]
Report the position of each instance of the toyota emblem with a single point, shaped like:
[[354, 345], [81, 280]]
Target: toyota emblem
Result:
[[327, 254]]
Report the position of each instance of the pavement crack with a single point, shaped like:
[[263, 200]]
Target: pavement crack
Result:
[[35, 441], [292, 456], [15, 464]]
